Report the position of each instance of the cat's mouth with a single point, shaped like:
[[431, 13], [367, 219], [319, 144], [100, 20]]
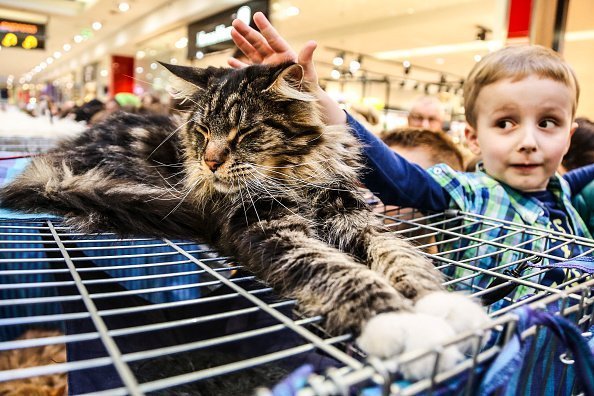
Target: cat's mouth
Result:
[[223, 185]]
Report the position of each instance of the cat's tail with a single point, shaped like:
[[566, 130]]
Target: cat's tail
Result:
[[94, 201]]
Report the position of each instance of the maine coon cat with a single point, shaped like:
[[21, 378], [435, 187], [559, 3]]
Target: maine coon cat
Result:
[[256, 172]]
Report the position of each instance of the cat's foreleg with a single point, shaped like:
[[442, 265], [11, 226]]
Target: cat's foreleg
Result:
[[350, 296], [359, 232]]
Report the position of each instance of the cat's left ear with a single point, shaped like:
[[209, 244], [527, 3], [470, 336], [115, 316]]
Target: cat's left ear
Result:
[[289, 84], [193, 75]]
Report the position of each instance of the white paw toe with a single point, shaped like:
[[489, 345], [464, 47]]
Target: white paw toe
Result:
[[459, 311], [391, 334]]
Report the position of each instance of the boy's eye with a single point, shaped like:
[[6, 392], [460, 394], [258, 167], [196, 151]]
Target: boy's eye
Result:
[[504, 124], [547, 124]]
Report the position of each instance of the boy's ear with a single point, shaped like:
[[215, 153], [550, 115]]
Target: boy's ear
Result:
[[289, 84], [472, 140], [574, 126]]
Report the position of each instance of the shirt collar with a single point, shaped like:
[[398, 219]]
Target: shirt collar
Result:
[[529, 208]]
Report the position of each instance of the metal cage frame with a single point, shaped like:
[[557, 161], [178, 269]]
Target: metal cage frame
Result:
[[44, 264]]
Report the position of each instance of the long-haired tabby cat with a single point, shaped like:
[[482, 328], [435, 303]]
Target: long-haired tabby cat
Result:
[[255, 171]]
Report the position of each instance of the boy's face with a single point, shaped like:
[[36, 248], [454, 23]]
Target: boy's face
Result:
[[523, 130]]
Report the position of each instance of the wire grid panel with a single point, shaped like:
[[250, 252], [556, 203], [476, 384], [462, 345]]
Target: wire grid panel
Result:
[[146, 316]]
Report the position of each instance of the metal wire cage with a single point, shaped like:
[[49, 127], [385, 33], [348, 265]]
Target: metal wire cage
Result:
[[147, 316]]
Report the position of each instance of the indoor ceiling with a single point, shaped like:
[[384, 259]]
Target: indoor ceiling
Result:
[[395, 30]]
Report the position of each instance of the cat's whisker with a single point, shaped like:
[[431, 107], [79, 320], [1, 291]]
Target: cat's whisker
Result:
[[284, 206], [161, 164], [167, 138], [247, 188], [289, 166], [247, 223], [183, 198], [299, 181]]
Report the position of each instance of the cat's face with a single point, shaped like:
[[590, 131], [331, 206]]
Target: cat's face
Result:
[[247, 127]]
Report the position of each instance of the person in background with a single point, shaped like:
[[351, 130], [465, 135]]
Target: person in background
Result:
[[426, 112], [425, 148], [581, 153], [521, 139]]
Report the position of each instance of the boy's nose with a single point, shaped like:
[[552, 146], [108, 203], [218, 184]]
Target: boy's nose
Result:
[[528, 140]]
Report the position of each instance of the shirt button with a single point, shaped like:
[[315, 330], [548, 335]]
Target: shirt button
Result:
[[437, 171]]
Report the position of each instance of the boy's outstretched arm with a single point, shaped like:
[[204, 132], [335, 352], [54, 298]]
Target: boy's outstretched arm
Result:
[[391, 177], [579, 178]]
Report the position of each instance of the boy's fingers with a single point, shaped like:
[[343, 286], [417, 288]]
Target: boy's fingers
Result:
[[245, 46], [255, 39], [236, 64], [305, 59], [306, 54], [275, 40]]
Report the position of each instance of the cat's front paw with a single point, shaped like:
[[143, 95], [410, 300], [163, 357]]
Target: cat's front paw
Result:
[[459, 311], [393, 333]]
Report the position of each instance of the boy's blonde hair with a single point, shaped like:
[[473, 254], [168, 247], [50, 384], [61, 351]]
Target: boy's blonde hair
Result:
[[517, 63]]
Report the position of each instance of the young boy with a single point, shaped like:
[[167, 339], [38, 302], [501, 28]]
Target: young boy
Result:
[[520, 106]]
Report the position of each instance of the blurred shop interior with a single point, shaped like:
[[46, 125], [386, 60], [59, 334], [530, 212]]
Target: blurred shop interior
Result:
[[373, 55]]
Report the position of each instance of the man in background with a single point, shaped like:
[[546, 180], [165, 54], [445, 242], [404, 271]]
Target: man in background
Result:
[[426, 113]]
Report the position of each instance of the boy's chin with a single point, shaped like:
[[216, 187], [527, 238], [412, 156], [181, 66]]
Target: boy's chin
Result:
[[528, 183]]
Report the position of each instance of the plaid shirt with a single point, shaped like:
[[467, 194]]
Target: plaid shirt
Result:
[[481, 194]]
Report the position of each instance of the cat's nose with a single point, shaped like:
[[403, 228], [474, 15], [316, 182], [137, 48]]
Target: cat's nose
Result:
[[215, 155]]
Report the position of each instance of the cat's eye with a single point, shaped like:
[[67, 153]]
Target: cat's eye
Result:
[[201, 130], [242, 134]]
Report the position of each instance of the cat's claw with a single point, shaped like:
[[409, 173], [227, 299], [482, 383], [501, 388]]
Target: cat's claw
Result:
[[393, 333], [459, 311]]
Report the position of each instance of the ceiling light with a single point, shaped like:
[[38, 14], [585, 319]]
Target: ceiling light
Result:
[[123, 6], [181, 43], [338, 59], [477, 58], [97, 25], [49, 60], [355, 65], [335, 74], [173, 61], [292, 11], [78, 38], [57, 54], [139, 70], [154, 66], [199, 55], [140, 54], [67, 47], [103, 73]]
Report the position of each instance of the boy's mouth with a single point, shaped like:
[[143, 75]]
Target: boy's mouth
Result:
[[525, 167]]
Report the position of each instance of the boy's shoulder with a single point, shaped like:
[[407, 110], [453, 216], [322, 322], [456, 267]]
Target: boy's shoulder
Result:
[[471, 191], [446, 176]]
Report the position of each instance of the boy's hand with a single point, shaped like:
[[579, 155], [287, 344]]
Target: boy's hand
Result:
[[269, 48]]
